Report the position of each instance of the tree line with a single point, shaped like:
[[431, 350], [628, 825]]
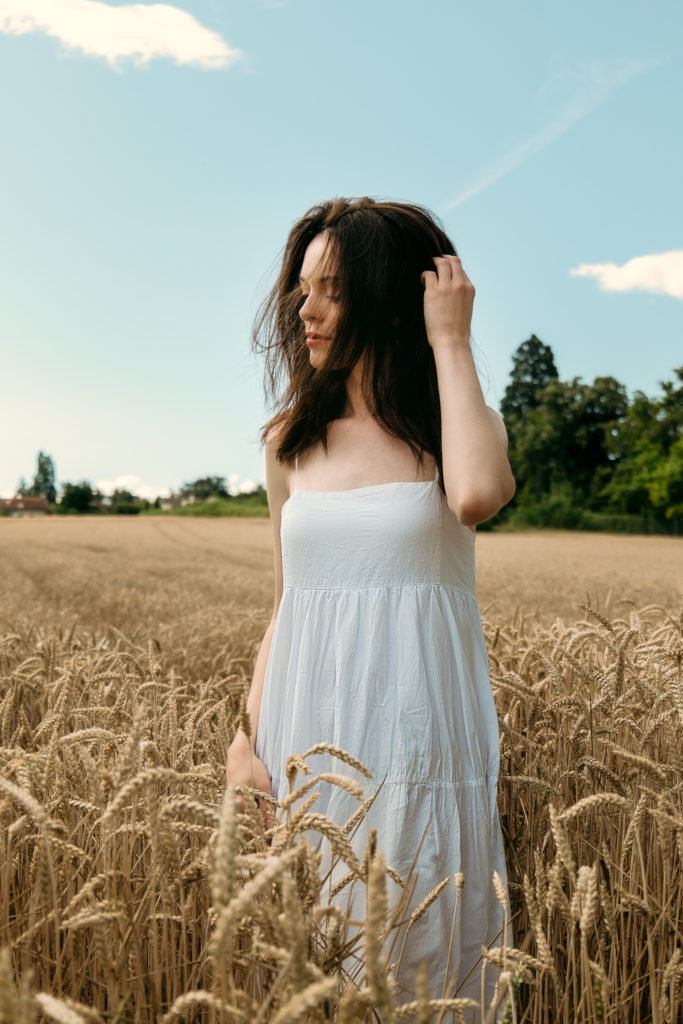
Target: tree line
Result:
[[586, 456], [78, 497], [82, 498]]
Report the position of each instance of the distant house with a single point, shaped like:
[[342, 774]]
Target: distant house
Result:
[[24, 506], [176, 501]]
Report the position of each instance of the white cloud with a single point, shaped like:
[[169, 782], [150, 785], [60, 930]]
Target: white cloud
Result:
[[125, 482], [235, 487], [131, 482], [150, 492], [138, 31], [661, 273], [597, 81], [247, 486]]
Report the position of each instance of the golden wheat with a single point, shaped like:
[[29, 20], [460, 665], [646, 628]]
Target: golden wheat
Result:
[[133, 889]]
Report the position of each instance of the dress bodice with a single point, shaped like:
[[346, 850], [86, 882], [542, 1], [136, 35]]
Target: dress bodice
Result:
[[386, 535]]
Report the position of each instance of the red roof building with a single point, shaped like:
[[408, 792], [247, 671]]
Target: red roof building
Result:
[[24, 506]]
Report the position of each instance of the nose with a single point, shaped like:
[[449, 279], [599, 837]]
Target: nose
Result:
[[308, 310]]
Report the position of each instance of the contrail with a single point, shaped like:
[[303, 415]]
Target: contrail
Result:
[[604, 80]]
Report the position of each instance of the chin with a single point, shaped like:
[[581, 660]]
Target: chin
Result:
[[317, 360]]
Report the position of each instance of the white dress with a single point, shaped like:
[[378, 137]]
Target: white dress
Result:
[[378, 648]]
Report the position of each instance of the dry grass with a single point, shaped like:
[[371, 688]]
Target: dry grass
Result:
[[132, 889]]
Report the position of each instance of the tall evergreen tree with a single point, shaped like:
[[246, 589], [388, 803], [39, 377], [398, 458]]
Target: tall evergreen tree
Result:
[[533, 366], [533, 369], [44, 480]]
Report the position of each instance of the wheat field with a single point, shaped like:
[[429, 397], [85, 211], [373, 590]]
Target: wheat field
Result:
[[135, 888]]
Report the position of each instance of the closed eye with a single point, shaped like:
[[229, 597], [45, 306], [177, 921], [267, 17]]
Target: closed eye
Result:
[[331, 298]]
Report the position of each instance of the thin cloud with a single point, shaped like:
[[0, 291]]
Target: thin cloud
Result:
[[140, 32], [598, 81], [661, 274]]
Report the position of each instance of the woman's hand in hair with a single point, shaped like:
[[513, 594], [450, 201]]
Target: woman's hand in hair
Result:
[[448, 302]]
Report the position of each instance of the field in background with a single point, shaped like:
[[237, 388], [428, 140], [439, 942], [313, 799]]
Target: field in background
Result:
[[130, 887], [173, 575]]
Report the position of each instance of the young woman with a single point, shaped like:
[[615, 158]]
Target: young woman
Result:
[[381, 459]]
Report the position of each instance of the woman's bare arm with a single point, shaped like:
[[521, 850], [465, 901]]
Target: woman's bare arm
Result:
[[477, 475], [277, 484]]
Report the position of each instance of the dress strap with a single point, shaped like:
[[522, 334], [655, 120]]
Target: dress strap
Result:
[[436, 477], [296, 470]]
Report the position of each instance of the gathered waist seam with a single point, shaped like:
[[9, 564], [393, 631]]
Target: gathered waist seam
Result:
[[383, 586]]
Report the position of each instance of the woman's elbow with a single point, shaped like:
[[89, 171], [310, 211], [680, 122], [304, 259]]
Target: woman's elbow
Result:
[[478, 506]]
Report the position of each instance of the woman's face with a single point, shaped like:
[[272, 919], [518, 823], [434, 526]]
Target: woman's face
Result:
[[321, 308]]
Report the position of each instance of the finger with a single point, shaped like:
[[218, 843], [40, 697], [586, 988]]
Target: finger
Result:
[[429, 279], [443, 269], [455, 264], [458, 273]]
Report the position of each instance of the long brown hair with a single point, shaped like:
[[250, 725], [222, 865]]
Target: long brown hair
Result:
[[380, 250]]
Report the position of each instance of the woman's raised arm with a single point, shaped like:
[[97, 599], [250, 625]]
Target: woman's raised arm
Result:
[[477, 477]]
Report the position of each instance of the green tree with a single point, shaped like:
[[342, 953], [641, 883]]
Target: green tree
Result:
[[666, 483], [125, 503], [533, 367], [647, 449], [77, 497], [560, 450], [206, 487], [44, 484], [600, 408]]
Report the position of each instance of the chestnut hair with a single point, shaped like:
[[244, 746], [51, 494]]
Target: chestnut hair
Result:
[[379, 251]]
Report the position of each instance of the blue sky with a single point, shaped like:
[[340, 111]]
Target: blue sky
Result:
[[154, 157]]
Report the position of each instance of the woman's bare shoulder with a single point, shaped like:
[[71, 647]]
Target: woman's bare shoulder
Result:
[[275, 434], [278, 471]]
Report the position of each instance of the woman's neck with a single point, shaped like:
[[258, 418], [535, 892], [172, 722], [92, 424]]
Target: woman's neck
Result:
[[355, 406]]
